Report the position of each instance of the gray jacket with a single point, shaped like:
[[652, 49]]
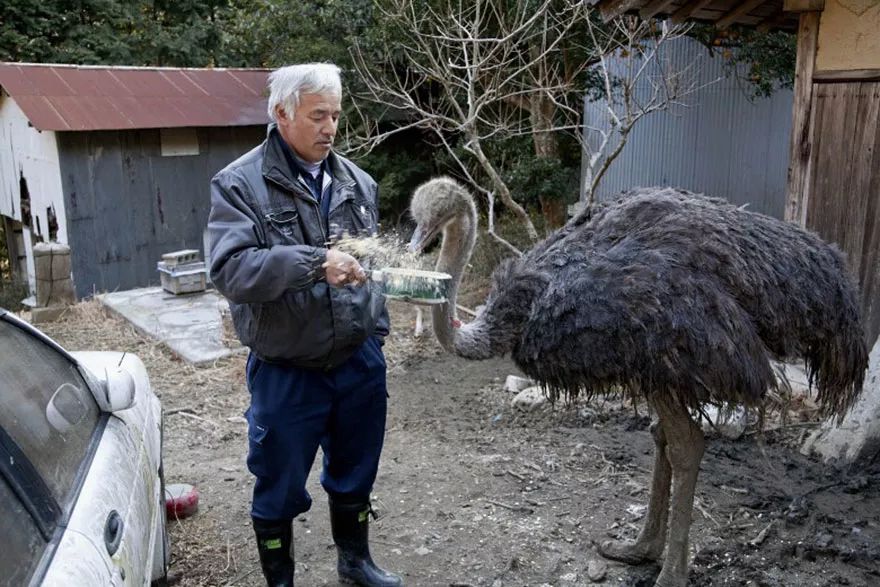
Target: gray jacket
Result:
[[267, 242]]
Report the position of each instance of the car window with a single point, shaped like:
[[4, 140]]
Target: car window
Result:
[[46, 407], [22, 543]]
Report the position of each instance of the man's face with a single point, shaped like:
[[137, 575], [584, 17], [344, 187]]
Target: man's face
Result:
[[311, 130]]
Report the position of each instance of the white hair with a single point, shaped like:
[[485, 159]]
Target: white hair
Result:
[[287, 84]]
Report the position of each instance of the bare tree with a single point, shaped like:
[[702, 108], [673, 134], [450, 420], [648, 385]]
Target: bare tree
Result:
[[637, 80], [481, 70]]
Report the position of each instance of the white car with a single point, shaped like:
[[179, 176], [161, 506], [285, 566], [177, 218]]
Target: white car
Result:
[[81, 487]]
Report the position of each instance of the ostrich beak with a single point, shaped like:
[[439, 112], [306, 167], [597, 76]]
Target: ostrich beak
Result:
[[425, 234], [419, 240]]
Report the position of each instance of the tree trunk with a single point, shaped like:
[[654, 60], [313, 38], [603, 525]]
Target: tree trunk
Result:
[[541, 114], [502, 189], [858, 436]]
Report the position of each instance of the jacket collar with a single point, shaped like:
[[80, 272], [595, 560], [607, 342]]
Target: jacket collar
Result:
[[276, 169]]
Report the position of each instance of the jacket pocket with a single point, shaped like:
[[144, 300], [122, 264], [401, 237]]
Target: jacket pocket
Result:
[[357, 217], [298, 327], [284, 226]]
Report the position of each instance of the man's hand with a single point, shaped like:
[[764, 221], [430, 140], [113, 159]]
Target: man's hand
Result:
[[342, 269]]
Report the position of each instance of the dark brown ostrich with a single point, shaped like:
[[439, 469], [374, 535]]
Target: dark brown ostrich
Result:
[[670, 296]]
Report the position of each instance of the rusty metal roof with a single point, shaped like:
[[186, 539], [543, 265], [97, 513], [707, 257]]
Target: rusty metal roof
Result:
[[76, 98]]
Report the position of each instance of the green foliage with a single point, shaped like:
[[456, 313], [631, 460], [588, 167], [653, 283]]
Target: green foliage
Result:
[[531, 178], [271, 33], [12, 292], [91, 31], [112, 32], [182, 32], [534, 178], [765, 60], [399, 172]]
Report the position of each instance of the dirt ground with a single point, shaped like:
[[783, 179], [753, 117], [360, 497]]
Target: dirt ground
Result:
[[474, 492]]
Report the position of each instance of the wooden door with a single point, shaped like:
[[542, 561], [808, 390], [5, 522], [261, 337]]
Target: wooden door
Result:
[[843, 205]]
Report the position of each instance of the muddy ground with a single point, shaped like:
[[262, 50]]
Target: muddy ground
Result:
[[474, 492]]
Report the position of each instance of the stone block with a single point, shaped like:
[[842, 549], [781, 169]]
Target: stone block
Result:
[[515, 384], [530, 399], [43, 292], [54, 292], [180, 257], [43, 267], [62, 291], [50, 314], [42, 250], [728, 423], [61, 265]]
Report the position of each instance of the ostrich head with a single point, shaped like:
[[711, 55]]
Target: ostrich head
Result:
[[441, 205]]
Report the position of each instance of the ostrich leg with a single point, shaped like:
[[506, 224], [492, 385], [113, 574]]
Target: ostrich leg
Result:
[[649, 544], [684, 449]]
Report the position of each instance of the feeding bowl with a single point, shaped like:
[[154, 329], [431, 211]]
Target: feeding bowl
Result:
[[413, 285]]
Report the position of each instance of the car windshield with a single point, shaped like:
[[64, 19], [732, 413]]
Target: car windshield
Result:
[[46, 407]]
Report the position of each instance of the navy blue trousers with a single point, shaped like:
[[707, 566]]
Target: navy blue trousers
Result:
[[293, 411]]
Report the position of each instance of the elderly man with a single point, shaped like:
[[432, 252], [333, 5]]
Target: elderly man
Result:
[[315, 328]]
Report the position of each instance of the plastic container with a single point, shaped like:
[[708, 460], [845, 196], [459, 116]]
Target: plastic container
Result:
[[181, 501], [182, 279], [413, 285]]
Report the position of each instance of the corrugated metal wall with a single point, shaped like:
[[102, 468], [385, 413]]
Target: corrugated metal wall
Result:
[[127, 204], [725, 143]]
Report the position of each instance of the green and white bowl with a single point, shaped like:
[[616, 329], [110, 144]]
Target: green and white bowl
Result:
[[413, 285]]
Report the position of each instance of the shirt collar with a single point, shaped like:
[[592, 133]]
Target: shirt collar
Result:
[[298, 165]]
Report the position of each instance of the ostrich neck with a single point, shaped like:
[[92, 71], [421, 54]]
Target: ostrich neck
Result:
[[459, 237]]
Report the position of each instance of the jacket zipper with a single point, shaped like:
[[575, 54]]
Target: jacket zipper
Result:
[[326, 235], [317, 207]]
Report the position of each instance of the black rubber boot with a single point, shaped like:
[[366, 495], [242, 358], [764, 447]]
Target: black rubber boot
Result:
[[350, 524], [275, 545]]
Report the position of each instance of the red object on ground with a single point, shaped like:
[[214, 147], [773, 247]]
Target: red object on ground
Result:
[[181, 500]]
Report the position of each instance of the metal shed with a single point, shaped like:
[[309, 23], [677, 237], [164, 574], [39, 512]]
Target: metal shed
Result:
[[116, 161], [724, 141]]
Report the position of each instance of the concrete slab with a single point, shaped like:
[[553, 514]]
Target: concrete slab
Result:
[[190, 325], [50, 314]]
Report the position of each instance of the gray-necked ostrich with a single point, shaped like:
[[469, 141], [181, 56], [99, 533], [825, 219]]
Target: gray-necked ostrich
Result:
[[677, 298]]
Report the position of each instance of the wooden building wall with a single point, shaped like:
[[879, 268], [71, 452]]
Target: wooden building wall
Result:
[[849, 35], [844, 182], [834, 173], [127, 204]]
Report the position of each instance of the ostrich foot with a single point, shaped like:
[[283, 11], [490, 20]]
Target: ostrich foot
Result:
[[631, 552]]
